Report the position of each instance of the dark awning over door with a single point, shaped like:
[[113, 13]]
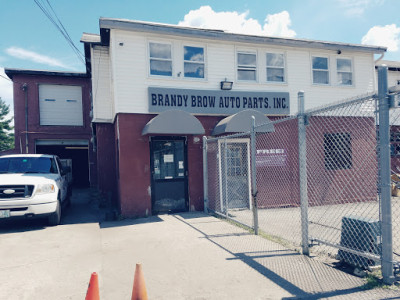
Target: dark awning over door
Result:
[[241, 122], [173, 122]]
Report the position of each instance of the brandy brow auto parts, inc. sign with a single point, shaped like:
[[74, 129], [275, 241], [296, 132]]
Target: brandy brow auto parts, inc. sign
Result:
[[217, 102]]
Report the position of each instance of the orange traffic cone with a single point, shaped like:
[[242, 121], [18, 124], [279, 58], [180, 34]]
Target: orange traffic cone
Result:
[[139, 287], [93, 288]]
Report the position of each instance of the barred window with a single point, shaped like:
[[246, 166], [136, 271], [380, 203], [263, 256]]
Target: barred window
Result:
[[395, 143], [234, 159], [337, 151]]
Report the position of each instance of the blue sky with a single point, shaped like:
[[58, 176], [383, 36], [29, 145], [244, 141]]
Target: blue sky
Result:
[[28, 40]]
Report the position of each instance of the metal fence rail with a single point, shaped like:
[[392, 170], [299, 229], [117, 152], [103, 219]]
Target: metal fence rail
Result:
[[319, 181]]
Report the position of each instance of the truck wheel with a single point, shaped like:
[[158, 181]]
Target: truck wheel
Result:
[[55, 218]]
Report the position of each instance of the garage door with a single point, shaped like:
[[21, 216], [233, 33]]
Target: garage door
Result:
[[76, 151], [60, 105]]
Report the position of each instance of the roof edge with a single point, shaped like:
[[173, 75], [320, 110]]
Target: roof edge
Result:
[[90, 38], [111, 23], [10, 72]]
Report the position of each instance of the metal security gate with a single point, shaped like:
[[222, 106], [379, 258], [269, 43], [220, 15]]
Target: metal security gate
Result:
[[320, 182], [234, 166]]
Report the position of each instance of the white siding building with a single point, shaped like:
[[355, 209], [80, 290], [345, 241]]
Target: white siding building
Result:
[[140, 71], [393, 72]]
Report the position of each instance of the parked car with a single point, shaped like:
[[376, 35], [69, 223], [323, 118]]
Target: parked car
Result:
[[33, 185]]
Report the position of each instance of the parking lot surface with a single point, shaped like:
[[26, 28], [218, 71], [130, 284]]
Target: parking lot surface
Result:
[[184, 256]]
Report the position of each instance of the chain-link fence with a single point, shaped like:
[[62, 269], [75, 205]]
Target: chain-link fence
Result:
[[229, 180], [322, 182], [395, 178], [342, 176]]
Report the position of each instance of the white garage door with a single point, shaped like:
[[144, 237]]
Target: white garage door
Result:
[[60, 105]]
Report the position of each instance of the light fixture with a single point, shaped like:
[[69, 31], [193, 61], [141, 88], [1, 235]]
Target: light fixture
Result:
[[226, 85], [76, 148]]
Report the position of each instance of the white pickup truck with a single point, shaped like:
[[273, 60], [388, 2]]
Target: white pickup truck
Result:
[[33, 185]]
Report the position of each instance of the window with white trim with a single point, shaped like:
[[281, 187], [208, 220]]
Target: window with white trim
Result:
[[344, 71], [275, 67], [193, 58], [320, 70], [160, 59], [247, 66]]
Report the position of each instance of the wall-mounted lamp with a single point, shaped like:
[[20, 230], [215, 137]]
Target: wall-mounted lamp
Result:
[[339, 52], [226, 85]]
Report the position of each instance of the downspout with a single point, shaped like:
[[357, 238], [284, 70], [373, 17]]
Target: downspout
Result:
[[380, 57], [375, 68], [25, 89]]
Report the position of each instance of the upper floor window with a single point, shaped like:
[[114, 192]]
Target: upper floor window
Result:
[[247, 66], [193, 62], [344, 71], [160, 59], [275, 67], [320, 69]]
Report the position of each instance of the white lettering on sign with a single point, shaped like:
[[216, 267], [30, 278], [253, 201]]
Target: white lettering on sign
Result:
[[268, 151], [168, 158], [271, 158]]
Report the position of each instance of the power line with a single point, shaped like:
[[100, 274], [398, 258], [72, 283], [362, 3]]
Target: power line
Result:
[[52, 16]]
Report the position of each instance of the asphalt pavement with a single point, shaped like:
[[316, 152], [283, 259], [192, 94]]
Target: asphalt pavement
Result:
[[184, 256]]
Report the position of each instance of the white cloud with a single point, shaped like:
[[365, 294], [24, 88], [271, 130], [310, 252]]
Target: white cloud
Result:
[[278, 25], [356, 8], [35, 57], [232, 21], [388, 36]]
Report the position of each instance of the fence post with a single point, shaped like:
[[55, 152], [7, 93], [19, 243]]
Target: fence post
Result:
[[384, 176], [205, 174], [254, 173], [303, 173], [226, 176]]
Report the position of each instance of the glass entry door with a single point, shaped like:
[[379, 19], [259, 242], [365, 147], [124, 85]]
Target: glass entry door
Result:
[[168, 174]]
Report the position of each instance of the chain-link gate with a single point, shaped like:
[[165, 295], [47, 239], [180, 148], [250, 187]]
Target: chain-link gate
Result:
[[321, 180], [229, 180]]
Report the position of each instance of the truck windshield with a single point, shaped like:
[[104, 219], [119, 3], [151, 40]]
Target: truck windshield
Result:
[[27, 165]]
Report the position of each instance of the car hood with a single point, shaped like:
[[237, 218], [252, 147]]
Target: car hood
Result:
[[24, 178]]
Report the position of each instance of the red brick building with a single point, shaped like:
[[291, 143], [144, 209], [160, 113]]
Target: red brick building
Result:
[[52, 115]]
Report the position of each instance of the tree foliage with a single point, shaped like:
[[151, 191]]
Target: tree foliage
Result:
[[6, 134]]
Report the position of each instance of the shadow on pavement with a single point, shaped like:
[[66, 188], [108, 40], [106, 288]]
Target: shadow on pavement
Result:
[[301, 276], [84, 208], [22, 225], [128, 222]]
